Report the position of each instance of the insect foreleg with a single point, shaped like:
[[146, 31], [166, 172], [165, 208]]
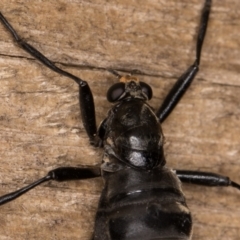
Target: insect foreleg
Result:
[[183, 83], [86, 97]]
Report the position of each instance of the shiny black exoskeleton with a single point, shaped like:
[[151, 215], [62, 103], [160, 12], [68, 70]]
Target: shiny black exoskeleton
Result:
[[148, 202], [138, 204], [132, 133], [142, 198]]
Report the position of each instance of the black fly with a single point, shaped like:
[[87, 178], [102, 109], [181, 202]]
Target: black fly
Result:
[[142, 198]]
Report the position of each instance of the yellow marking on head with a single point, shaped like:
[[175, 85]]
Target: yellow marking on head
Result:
[[128, 78]]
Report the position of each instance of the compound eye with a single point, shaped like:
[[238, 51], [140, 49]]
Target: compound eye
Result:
[[115, 91], [146, 89]]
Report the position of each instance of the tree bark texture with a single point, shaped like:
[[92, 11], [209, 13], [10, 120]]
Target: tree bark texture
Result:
[[40, 122]]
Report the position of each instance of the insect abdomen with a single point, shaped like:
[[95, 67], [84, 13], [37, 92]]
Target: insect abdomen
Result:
[[143, 205]]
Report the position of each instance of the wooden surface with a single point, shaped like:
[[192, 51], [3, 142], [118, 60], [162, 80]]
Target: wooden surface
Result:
[[40, 126]]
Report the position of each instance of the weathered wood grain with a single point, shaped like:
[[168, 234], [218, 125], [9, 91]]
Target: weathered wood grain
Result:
[[40, 126]]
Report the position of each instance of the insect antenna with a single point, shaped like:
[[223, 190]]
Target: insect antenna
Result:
[[115, 73]]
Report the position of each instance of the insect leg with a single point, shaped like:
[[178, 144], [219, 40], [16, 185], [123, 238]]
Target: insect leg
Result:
[[58, 174], [85, 94], [205, 178], [183, 83]]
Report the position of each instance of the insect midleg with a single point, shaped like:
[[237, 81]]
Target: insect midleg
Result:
[[185, 80], [85, 94], [208, 179], [58, 174]]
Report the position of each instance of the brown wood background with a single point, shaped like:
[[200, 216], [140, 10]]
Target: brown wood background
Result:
[[40, 126]]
